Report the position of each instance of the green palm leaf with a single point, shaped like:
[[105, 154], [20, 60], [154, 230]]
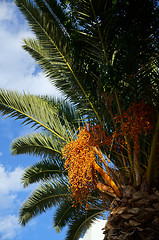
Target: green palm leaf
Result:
[[81, 223], [54, 10], [64, 214], [44, 170], [35, 111], [43, 198], [37, 144], [58, 72], [49, 60], [46, 29], [51, 40], [95, 31]]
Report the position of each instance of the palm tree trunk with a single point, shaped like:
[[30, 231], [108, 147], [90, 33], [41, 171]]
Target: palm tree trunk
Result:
[[135, 216]]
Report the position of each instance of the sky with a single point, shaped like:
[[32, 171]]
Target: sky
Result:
[[19, 72]]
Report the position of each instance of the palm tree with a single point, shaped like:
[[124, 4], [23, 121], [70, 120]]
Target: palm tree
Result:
[[108, 68]]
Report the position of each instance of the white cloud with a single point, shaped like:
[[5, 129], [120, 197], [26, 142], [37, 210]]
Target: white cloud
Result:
[[9, 227], [1, 154], [17, 68], [11, 198], [10, 185], [6, 11], [10, 180]]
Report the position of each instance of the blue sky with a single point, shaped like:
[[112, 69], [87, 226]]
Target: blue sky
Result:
[[18, 72]]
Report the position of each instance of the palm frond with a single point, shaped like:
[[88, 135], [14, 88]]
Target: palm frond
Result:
[[67, 111], [93, 21], [99, 28], [64, 213], [44, 170], [46, 29], [33, 110], [38, 144], [81, 223], [54, 10], [48, 59], [50, 40], [59, 74], [43, 198], [67, 213]]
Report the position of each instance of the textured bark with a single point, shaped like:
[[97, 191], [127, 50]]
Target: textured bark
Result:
[[135, 216]]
